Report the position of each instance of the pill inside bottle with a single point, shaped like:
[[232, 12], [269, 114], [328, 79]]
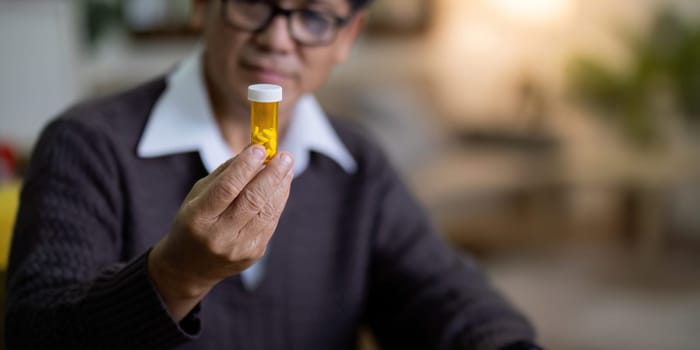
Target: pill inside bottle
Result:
[[264, 105]]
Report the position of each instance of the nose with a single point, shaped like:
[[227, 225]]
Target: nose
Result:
[[276, 37]]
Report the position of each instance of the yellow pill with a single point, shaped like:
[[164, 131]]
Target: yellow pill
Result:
[[264, 104]]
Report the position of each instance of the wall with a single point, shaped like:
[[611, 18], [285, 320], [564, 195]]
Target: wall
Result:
[[38, 66]]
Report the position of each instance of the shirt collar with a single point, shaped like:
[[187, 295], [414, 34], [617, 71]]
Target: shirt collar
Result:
[[182, 121]]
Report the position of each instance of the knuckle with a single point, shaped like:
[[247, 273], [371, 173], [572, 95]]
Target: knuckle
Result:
[[254, 200], [185, 221], [217, 249], [256, 254], [259, 252], [191, 226], [199, 185], [229, 187], [246, 165], [192, 219], [256, 249], [245, 258], [189, 208], [234, 180], [267, 212], [279, 173]]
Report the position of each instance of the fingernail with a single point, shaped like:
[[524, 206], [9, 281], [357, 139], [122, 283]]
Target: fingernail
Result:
[[285, 160], [258, 152]]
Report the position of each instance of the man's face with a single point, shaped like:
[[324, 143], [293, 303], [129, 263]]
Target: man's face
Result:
[[236, 58]]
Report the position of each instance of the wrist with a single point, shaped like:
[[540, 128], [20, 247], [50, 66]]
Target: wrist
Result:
[[172, 281]]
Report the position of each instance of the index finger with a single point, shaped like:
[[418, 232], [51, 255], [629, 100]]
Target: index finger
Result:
[[227, 181]]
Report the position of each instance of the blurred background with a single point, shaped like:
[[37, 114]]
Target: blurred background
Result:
[[556, 140]]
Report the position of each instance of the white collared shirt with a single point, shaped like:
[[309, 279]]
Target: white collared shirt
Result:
[[182, 121]]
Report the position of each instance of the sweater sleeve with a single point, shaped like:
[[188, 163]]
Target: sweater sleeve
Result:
[[425, 295], [68, 284]]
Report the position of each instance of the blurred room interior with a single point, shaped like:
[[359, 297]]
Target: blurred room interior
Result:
[[557, 140]]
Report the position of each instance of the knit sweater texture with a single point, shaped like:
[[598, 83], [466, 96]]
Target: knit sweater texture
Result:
[[350, 249]]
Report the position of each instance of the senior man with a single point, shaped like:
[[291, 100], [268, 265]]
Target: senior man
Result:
[[147, 219]]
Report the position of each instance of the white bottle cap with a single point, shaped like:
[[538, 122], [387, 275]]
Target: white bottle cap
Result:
[[265, 93]]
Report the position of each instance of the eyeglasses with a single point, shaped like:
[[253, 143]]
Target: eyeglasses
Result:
[[307, 27]]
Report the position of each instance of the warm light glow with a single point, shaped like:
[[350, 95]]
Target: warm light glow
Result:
[[535, 10]]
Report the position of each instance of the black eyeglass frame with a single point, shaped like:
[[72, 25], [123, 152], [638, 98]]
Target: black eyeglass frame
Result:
[[338, 23]]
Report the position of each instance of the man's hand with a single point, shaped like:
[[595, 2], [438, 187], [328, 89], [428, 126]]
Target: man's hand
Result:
[[222, 227]]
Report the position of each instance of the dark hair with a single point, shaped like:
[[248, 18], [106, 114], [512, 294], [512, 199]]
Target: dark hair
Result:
[[359, 4]]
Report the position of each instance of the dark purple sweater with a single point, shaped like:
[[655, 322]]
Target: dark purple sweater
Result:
[[350, 249]]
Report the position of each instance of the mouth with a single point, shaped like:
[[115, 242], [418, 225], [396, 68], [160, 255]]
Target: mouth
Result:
[[263, 74]]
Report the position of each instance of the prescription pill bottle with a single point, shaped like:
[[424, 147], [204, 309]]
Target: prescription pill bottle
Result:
[[264, 104]]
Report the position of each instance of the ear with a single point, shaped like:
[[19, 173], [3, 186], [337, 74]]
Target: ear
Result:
[[348, 35]]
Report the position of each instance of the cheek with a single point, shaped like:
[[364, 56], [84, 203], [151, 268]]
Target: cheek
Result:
[[224, 43], [224, 51], [317, 65]]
